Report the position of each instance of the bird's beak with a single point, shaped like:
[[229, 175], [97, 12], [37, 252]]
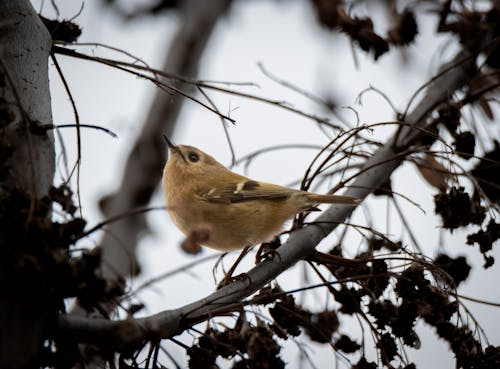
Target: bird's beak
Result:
[[173, 147]]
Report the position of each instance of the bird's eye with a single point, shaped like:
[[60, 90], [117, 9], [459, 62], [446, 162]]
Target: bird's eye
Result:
[[193, 157]]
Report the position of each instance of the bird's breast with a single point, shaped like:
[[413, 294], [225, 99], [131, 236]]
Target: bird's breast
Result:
[[230, 225]]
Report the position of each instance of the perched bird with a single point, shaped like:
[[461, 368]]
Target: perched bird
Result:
[[231, 211]]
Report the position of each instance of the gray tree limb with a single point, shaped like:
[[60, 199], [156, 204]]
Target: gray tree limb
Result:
[[301, 243], [24, 98], [24, 49]]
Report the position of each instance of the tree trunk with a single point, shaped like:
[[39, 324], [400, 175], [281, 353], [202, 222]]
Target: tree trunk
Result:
[[26, 172]]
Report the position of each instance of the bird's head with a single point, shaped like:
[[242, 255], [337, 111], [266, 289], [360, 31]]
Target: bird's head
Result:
[[189, 161]]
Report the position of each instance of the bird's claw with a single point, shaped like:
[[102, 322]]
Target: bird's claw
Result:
[[266, 252], [229, 279]]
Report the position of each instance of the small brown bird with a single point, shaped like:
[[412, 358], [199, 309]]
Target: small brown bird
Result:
[[233, 211]]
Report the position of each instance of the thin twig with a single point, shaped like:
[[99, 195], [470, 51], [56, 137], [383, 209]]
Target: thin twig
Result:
[[93, 126], [119, 217], [78, 133]]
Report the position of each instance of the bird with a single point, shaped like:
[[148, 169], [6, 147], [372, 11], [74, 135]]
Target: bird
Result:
[[225, 210]]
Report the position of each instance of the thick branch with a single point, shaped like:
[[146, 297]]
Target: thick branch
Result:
[[24, 47], [27, 168], [302, 242]]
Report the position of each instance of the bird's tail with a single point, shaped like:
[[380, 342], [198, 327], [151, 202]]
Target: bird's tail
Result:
[[314, 198]]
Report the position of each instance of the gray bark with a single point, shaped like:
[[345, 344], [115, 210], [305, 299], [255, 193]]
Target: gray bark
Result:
[[25, 46], [24, 97]]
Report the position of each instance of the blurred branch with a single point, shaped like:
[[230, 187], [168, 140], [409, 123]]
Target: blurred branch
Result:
[[301, 243], [144, 163]]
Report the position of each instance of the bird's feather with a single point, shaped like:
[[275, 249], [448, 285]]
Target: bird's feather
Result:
[[247, 190]]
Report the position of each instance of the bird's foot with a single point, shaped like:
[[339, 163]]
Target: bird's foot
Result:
[[197, 237], [267, 250], [229, 279], [229, 275]]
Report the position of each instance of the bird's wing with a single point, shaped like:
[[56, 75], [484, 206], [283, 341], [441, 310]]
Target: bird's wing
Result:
[[247, 190]]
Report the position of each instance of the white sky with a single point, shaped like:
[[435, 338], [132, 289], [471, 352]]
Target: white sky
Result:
[[283, 36]]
